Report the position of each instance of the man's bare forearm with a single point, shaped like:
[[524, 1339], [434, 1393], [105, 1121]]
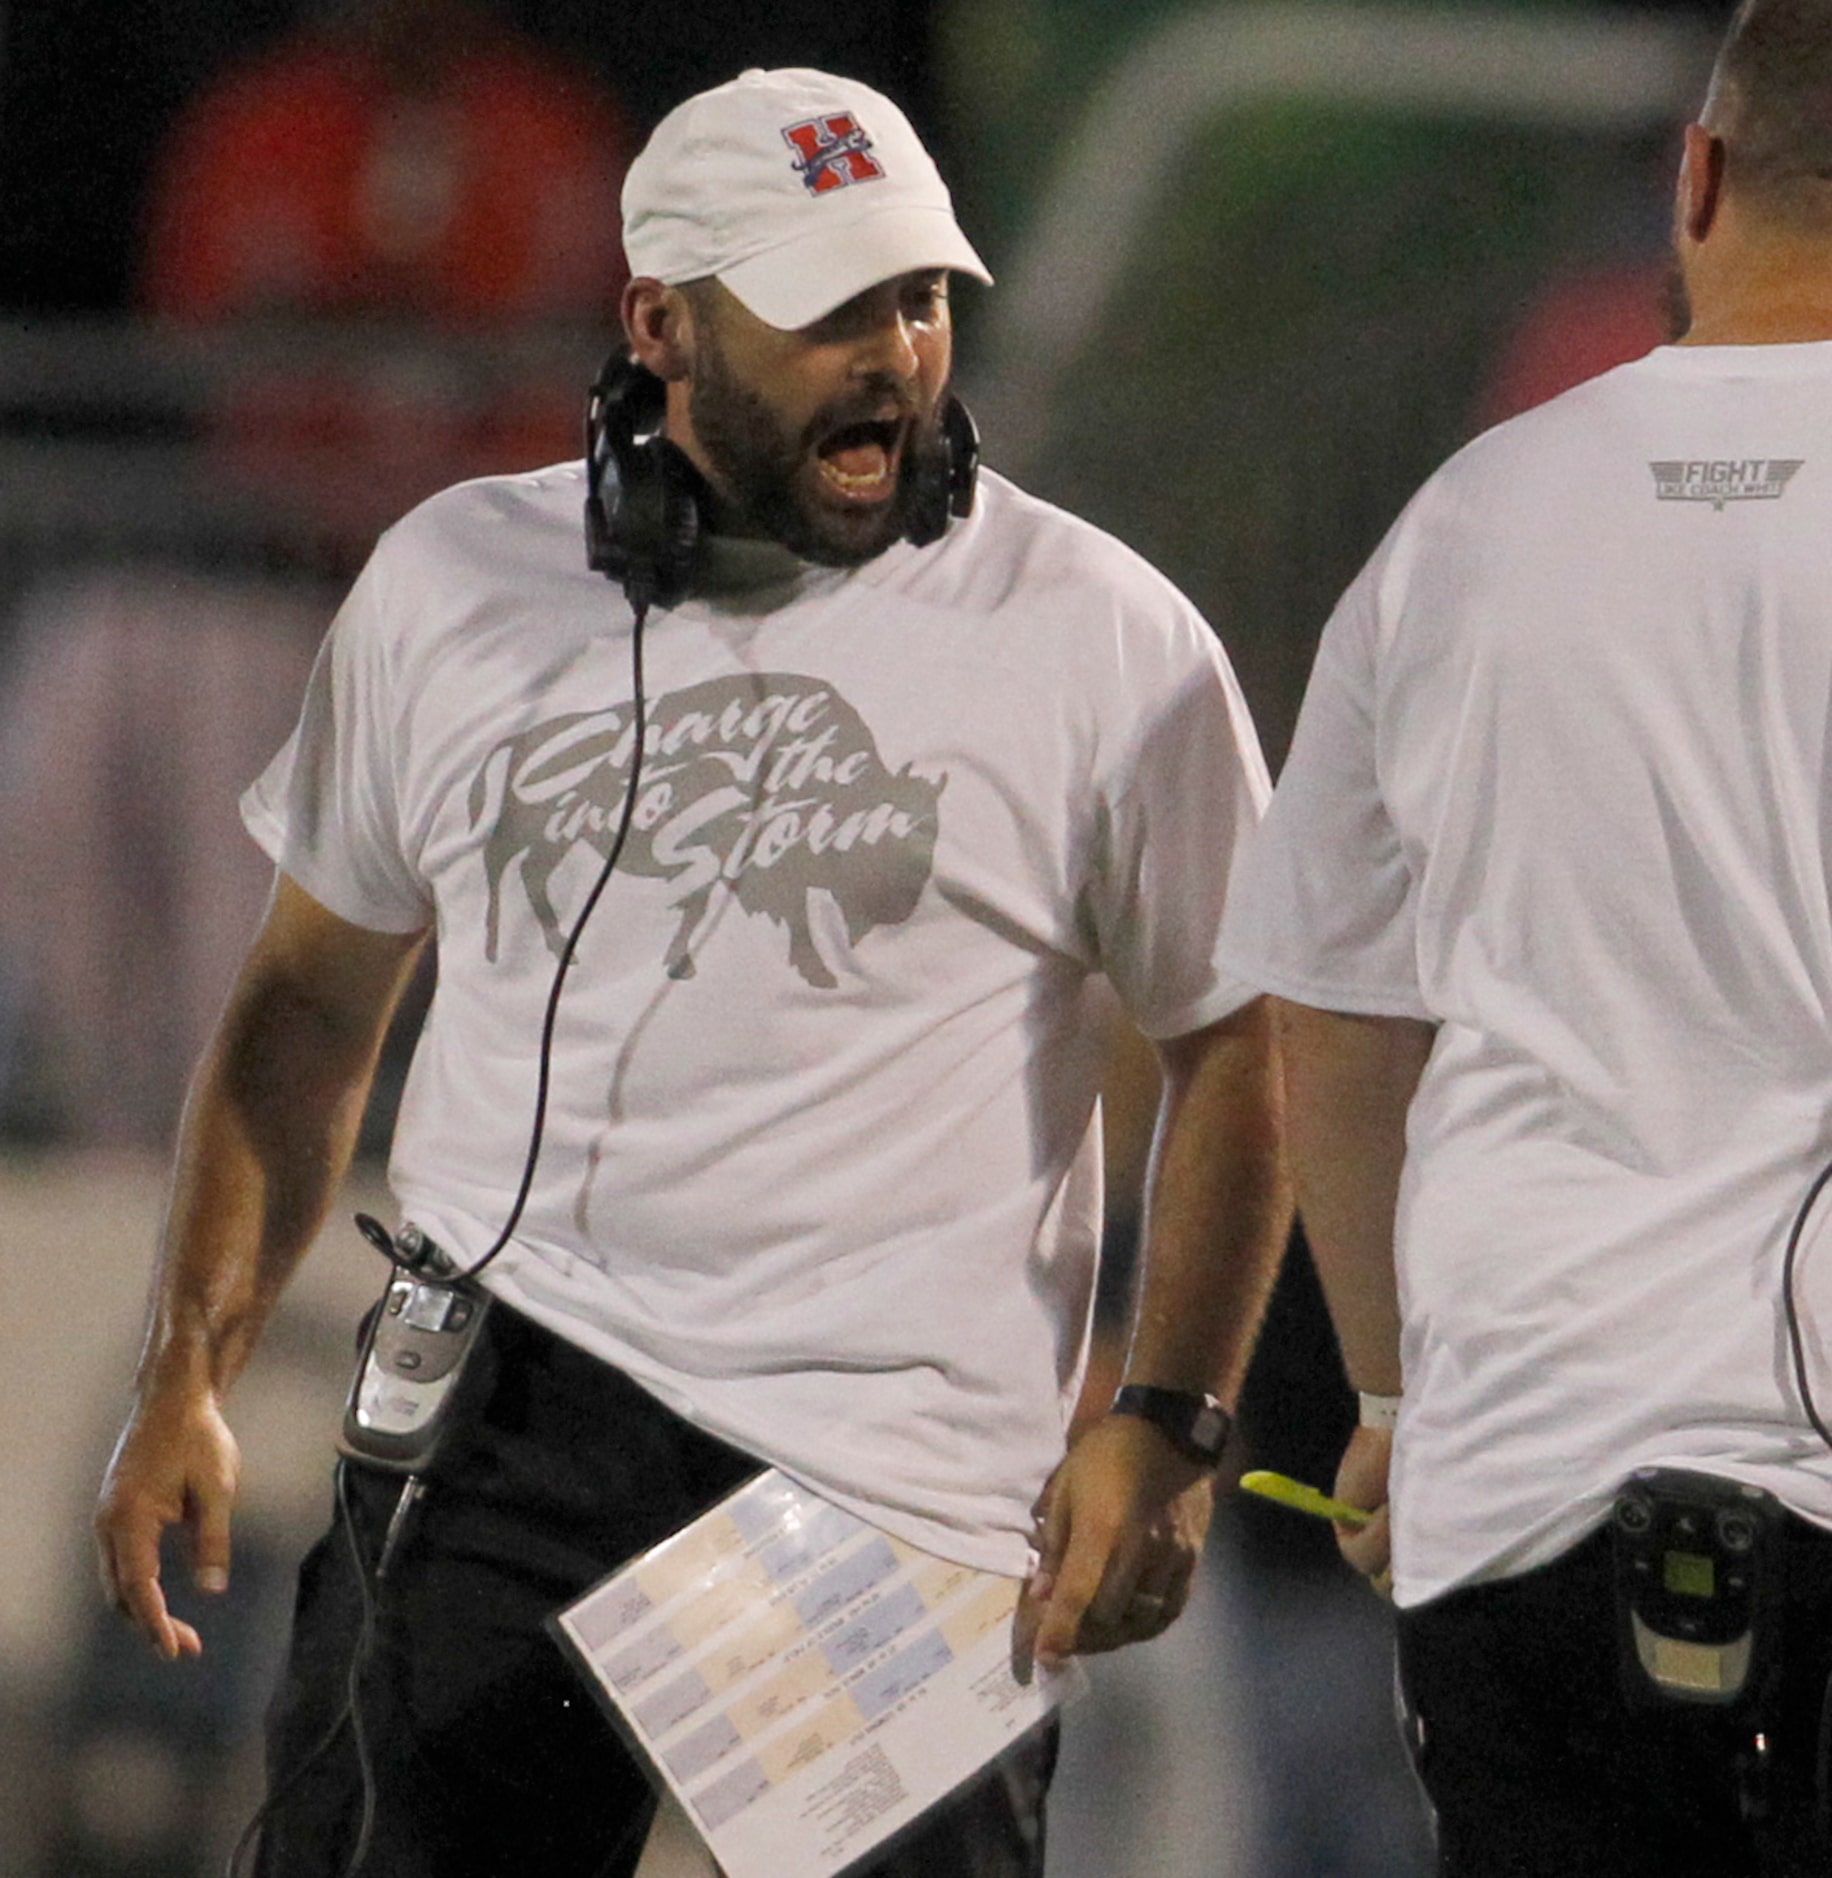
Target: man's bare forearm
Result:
[[1218, 1209], [1350, 1081], [267, 1137]]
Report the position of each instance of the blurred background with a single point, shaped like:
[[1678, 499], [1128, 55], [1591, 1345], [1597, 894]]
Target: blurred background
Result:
[[271, 273]]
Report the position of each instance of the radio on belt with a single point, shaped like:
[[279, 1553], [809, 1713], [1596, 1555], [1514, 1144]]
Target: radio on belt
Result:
[[1698, 1568], [413, 1354]]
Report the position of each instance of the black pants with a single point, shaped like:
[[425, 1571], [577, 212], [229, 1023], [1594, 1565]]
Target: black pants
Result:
[[488, 1757], [1537, 1767]]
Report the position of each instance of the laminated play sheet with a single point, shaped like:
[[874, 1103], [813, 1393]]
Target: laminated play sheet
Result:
[[805, 1683]]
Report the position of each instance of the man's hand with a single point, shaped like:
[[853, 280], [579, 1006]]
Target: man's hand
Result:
[[1361, 1480], [176, 1465], [1121, 1526]]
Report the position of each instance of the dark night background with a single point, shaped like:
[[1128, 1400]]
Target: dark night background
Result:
[[87, 88]]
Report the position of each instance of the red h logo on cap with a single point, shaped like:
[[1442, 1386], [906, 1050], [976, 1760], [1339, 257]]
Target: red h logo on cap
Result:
[[831, 152]]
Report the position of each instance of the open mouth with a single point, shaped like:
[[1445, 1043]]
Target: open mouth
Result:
[[859, 462]]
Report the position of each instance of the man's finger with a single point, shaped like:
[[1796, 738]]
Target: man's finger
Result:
[[1081, 1578], [1052, 1527], [210, 1560], [1160, 1592], [1025, 1622], [1051, 1536], [1121, 1581], [1368, 1548], [128, 1543], [1160, 1595], [141, 1598]]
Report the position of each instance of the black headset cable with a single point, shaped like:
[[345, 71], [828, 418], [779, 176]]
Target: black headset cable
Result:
[[1791, 1308], [369, 1578]]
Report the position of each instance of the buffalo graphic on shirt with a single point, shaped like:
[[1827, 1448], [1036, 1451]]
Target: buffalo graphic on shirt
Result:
[[767, 785]]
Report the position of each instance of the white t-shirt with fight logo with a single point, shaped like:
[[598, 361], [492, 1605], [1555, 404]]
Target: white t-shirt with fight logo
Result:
[[1560, 784], [821, 1156]]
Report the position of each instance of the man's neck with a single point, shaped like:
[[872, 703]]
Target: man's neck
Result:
[[732, 566], [1768, 323], [1769, 291]]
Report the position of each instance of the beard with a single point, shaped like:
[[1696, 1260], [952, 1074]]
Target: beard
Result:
[[769, 472]]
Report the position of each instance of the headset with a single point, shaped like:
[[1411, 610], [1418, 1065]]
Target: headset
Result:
[[647, 505]]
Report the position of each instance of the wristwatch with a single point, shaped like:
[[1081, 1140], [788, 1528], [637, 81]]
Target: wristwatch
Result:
[[1196, 1425]]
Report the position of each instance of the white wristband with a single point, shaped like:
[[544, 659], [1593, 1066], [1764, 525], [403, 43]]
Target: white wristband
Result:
[[1379, 1411]]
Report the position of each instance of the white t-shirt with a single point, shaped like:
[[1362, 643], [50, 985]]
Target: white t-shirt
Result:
[[821, 1157], [1560, 784]]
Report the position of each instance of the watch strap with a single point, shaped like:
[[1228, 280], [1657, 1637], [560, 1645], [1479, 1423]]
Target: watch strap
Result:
[[1195, 1424]]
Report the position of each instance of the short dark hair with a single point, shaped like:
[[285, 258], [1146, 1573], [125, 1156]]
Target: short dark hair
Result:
[[1771, 103]]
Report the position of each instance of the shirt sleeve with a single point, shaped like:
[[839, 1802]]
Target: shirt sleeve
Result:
[[327, 808], [1177, 828], [1326, 912]]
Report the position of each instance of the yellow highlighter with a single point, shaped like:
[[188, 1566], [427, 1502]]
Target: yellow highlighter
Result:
[[1303, 1499]]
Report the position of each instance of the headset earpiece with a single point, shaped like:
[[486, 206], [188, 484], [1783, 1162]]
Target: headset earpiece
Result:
[[946, 475], [643, 514]]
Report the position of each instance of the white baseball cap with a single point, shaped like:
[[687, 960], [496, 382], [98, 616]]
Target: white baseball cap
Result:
[[795, 189]]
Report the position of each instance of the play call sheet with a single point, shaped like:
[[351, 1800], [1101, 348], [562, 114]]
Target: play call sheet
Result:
[[805, 1683]]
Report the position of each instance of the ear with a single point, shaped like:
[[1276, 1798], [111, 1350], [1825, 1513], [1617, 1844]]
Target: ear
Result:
[[659, 325], [1701, 182]]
